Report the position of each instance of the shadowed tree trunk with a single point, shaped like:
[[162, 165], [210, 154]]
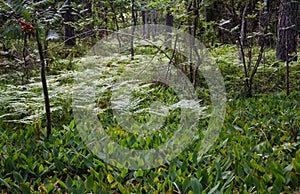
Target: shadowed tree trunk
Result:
[[70, 39], [286, 48], [154, 22], [287, 30], [145, 21], [44, 83], [169, 23], [195, 78], [133, 29], [87, 14], [263, 21]]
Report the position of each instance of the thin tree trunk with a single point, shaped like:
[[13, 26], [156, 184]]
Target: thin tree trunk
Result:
[[25, 61], [242, 32], [133, 29], [196, 19], [116, 23], [189, 7], [147, 35], [263, 21], [169, 24], [154, 22], [144, 19], [44, 83], [240, 44]]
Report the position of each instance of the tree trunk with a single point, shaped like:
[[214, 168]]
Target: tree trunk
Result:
[[87, 14], [144, 20], [263, 21], [70, 39], [133, 29], [44, 83], [204, 10], [169, 23], [286, 48], [196, 20], [154, 22], [116, 23]]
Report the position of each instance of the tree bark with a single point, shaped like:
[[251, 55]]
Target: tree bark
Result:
[[263, 21], [145, 21], [286, 48], [70, 39], [169, 24], [196, 20], [133, 29], [154, 22], [88, 14], [44, 83]]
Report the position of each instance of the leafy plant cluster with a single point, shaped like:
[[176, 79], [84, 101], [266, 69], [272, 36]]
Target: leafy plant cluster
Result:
[[258, 148], [256, 152]]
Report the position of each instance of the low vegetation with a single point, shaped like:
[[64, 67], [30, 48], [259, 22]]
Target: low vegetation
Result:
[[258, 149]]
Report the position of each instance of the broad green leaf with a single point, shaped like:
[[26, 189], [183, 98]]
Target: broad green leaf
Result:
[[69, 183], [139, 173], [254, 165], [110, 178], [25, 188], [2, 181], [277, 186], [196, 186], [121, 188], [17, 177], [62, 184], [89, 183], [72, 124]]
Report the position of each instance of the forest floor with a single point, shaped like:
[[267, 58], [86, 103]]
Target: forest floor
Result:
[[257, 149]]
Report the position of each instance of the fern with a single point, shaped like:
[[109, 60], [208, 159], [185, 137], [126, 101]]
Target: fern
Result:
[[25, 103]]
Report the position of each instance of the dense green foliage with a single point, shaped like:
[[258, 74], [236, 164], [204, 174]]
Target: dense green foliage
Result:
[[258, 149]]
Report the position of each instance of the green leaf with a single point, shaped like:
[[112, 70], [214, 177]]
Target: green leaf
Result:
[[62, 184], [295, 180], [110, 178], [196, 186], [121, 188], [25, 188], [139, 173], [214, 189], [80, 189], [69, 183], [193, 184], [277, 186], [89, 183], [5, 183], [173, 174], [254, 165], [72, 124], [17, 177]]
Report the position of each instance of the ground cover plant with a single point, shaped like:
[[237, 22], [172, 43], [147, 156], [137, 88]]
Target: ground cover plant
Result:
[[254, 43], [257, 150]]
